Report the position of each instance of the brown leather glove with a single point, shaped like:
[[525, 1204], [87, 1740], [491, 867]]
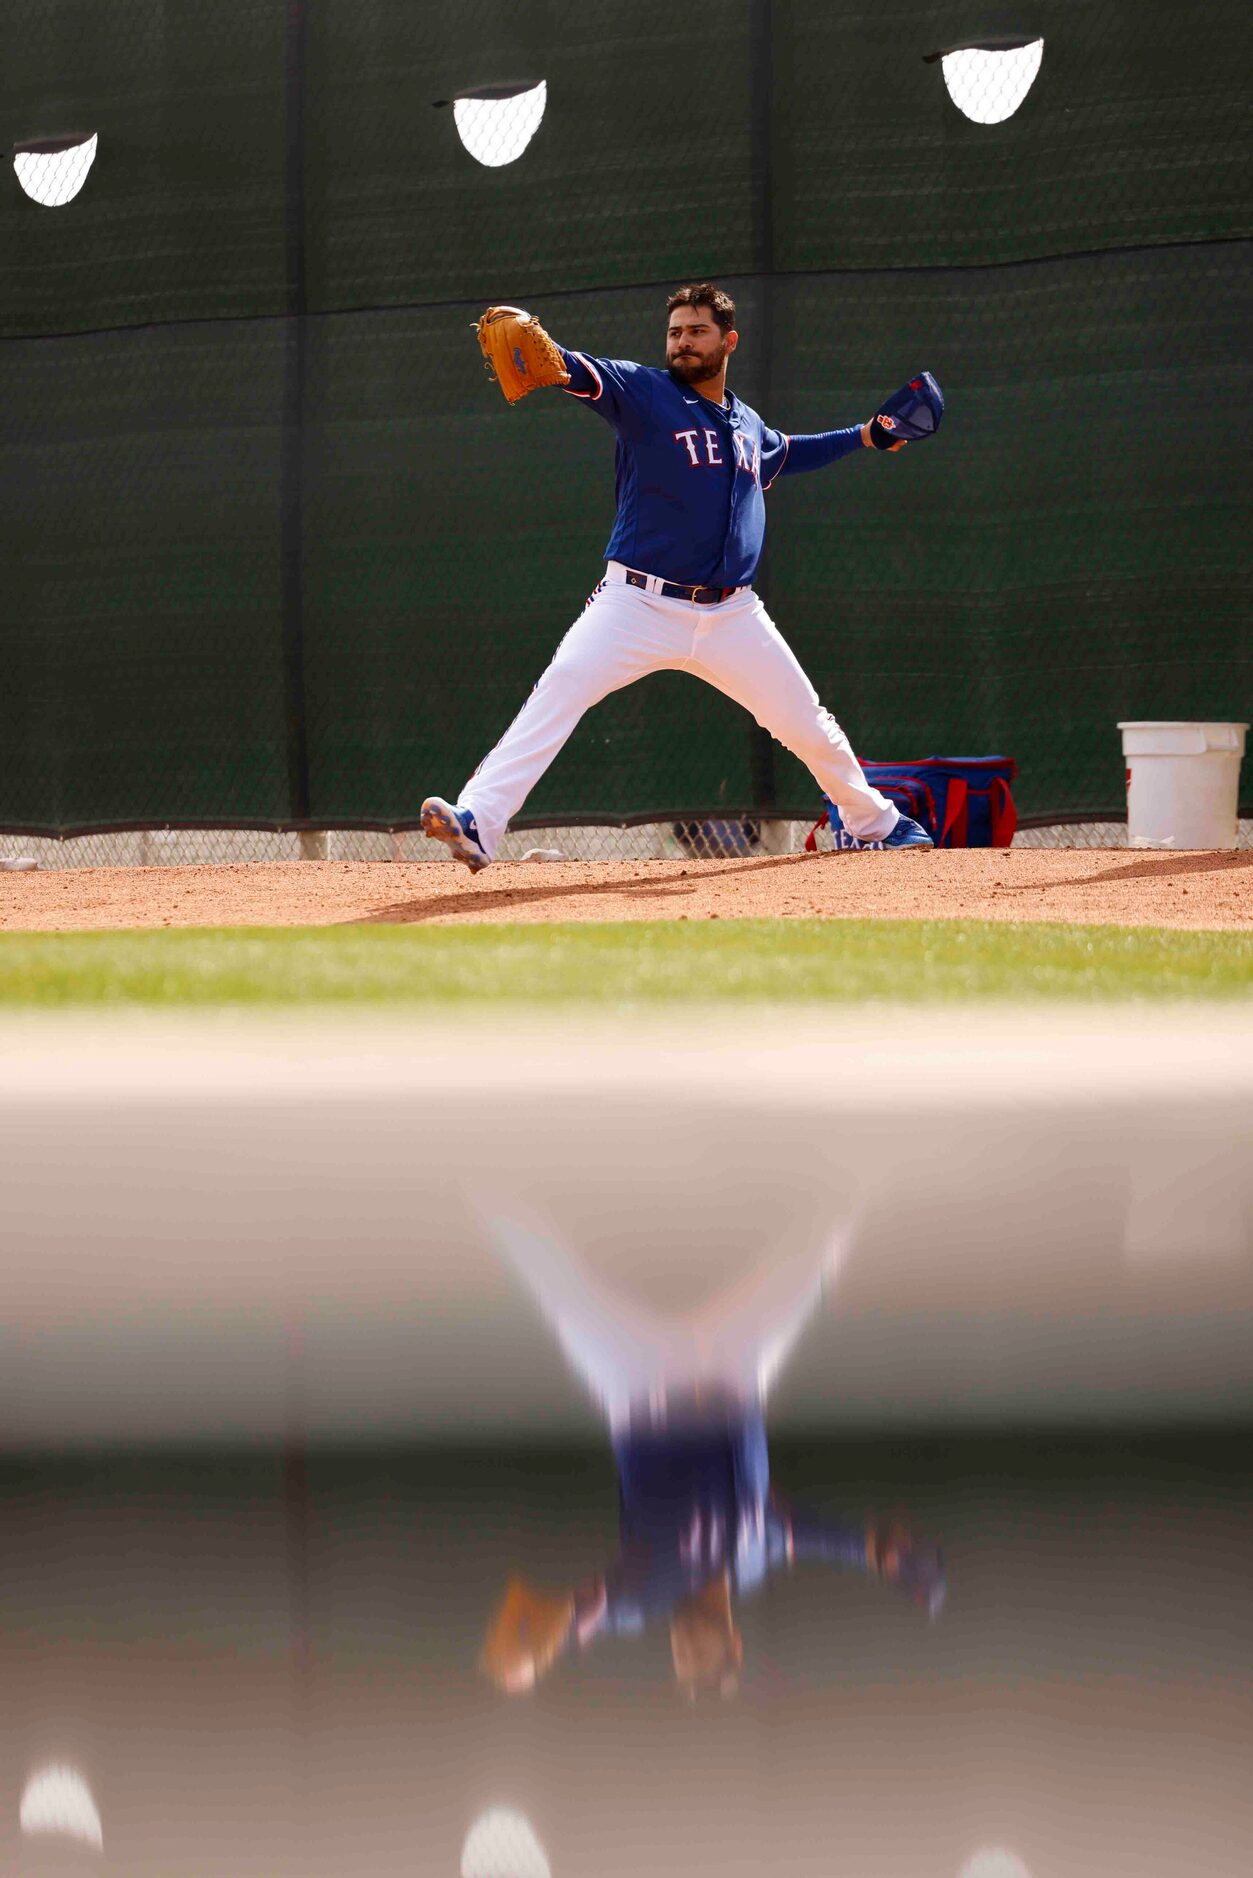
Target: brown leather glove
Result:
[[518, 352], [526, 1636]]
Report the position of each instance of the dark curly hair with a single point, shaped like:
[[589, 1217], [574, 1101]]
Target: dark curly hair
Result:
[[704, 293]]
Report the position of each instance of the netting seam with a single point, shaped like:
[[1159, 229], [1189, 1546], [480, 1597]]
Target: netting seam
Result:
[[633, 286]]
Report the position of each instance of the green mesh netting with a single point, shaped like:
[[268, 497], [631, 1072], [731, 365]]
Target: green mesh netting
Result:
[[277, 554]]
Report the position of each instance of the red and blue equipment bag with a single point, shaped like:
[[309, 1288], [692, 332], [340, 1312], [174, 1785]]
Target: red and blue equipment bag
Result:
[[961, 801]]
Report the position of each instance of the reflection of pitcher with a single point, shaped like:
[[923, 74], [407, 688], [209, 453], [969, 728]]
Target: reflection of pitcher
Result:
[[685, 1399]]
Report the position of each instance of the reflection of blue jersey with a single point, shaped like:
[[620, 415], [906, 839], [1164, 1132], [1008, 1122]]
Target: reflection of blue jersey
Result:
[[691, 475], [695, 1500]]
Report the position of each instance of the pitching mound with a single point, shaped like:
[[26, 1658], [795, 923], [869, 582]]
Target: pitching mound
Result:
[[1097, 887]]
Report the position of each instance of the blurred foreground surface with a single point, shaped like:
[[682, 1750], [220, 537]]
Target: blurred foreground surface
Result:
[[265, 1665], [216, 1227], [318, 1334]]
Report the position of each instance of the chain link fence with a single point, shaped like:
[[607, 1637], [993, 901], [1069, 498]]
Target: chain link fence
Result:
[[708, 840]]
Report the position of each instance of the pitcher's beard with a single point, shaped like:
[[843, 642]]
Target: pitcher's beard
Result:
[[695, 371]]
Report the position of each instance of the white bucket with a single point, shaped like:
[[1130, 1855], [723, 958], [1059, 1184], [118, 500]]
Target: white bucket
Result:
[[1183, 784]]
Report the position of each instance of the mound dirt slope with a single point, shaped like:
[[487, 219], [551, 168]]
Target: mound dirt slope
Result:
[[1096, 887]]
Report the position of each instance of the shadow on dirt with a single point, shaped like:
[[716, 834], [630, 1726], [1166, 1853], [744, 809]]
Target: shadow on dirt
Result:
[[478, 900], [1154, 866]]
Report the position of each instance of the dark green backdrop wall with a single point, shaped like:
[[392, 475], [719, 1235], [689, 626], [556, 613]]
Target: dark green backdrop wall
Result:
[[275, 552]]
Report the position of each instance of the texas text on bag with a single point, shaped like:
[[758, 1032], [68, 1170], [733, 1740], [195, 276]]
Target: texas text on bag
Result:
[[961, 801]]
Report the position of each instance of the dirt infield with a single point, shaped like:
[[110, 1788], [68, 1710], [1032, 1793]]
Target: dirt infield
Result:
[[1095, 887]]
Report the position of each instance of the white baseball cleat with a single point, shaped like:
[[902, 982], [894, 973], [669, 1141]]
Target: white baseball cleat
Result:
[[456, 828]]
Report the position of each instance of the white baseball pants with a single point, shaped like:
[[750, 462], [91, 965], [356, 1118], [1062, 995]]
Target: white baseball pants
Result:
[[631, 1360], [624, 633]]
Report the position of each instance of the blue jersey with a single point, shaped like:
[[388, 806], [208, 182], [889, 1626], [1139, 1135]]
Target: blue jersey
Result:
[[695, 1501], [690, 475]]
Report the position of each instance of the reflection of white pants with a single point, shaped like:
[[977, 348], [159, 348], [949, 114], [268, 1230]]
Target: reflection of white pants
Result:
[[630, 1359], [622, 634]]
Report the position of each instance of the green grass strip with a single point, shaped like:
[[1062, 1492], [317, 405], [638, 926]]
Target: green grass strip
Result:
[[798, 961]]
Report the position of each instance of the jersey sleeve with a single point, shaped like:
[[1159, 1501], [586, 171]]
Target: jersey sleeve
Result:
[[618, 390], [776, 447], [810, 452], [806, 1539]]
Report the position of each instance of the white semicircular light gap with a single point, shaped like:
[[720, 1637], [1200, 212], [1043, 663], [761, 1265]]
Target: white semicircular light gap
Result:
[[497, 130], [54, 177], [989, 86], [58, 1800], [502, 1844], [993, 1861]]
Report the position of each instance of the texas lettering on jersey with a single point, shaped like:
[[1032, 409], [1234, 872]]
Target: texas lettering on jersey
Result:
[[747, 451], [691, 475]]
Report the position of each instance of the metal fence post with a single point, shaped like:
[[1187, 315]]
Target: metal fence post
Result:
[[761, 39], [293, 444]]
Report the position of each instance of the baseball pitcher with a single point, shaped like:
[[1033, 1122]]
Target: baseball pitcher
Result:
[[693, 465], [700, 1525]]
